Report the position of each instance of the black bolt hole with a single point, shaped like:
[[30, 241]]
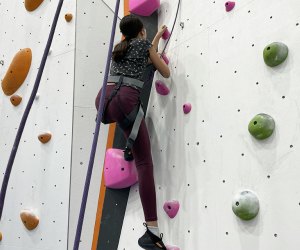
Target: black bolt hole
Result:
[[255, 122], [237, 203], [268, 48]]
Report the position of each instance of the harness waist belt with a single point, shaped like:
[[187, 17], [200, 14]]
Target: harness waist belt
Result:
[[127, 81]]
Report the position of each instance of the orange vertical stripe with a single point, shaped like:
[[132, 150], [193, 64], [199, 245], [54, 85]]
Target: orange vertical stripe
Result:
[[110, 140], [109, 144]]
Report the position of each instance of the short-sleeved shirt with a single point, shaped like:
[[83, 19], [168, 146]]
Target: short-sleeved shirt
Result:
[[135, 60]]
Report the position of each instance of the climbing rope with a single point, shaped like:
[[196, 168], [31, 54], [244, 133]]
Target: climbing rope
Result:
[[172, 28], [27, 110], [96, 133]]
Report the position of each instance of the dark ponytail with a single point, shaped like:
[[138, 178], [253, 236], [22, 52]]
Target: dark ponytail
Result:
[[130, 27], [120, 50]]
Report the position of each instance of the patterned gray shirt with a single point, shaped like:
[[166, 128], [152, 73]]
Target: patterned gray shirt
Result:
[[135, 60]]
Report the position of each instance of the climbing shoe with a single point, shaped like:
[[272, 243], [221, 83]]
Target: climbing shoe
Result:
[[150, 241]]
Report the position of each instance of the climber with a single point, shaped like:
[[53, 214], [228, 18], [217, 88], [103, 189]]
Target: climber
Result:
[[122, 105]]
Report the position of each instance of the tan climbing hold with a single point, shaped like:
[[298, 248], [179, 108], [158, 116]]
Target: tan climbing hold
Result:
[[29, 219], [68, 17], [32, 5], [17, 71], [44, 138], [0, 236], [15, 100]]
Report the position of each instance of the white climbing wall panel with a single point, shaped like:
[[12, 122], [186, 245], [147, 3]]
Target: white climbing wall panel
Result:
[[93, 29], [40, 178], [204, 158]]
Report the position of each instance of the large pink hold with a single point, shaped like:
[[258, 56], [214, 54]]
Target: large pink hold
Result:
[[187, 108], [172, 247], [229, 6], [161, 88], [166, 34], [118, 173], [165, 58], [171, 208], [143, 7]]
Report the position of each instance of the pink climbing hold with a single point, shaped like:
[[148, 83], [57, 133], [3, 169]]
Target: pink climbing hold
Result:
[[229, 6], [166, 34], [165, 58], [187, 108], [118, 173], [143, 7], [171, 208], [172, 247], [161, 88]]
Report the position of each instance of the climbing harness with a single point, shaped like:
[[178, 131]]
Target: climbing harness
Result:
[[134, 118]]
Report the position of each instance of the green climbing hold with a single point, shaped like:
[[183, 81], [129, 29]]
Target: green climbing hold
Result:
[[245, 205], [261, 126], [275, 54]]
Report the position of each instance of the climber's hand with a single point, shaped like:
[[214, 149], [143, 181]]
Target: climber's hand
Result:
[[161, 30]]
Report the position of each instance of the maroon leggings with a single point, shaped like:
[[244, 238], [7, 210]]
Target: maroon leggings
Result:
[[128, 98]]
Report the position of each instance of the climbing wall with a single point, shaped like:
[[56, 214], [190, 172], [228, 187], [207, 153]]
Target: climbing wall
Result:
[[40, 177], [93, 29], [203, 158]]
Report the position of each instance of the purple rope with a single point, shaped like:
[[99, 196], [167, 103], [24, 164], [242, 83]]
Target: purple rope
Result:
[[96, 133], [27, 110]]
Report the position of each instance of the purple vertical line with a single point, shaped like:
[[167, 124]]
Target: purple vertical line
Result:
[[27, 110], [96, 133]]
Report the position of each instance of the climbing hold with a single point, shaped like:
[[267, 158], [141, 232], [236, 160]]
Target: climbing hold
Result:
[[29, 219], [118, 173], [261, 126], [44, 138], [169, 247], [166, 34], [15, 100], [0, 236], [143, 7], [165, 58], [68, 17], [187, 108], [229, 6], [245, 205], [275, 54], [17, 71], [171, 208], [31, 5], [161, 88]]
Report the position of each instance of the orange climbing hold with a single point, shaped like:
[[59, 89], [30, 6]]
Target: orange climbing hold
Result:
[[44, 138], [29, 219], [68, 17], [0, 236], [32, 5], [17, 71], [15, 100]]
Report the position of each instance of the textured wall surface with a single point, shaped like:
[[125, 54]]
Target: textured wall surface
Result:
[[40, 178], [93, 29], [204, 158]]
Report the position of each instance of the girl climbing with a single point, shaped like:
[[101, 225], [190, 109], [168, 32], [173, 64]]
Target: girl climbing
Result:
[[129, 60]]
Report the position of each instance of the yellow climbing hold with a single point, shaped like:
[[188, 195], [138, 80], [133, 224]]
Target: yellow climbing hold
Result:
[[17, 71]]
